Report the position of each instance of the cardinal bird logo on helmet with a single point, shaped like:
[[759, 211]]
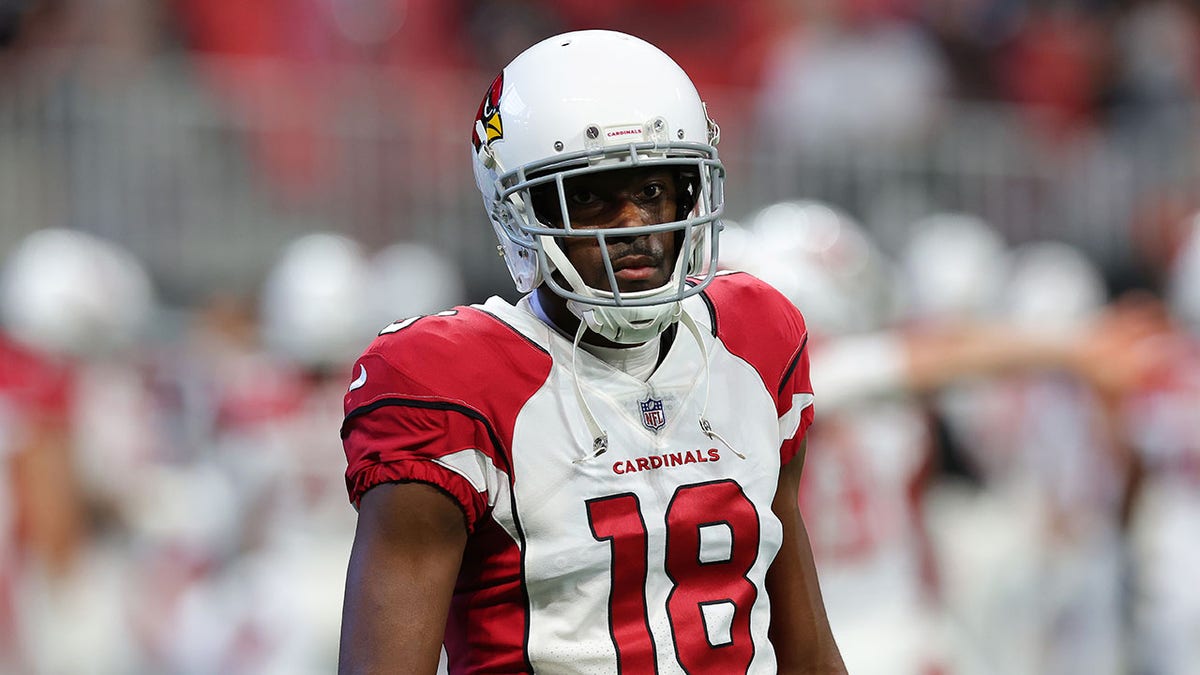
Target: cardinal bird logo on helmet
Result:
[[489, 115]]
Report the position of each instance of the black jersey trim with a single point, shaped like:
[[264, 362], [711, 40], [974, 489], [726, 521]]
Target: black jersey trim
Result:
[[428, 405], [513, 328], [712, 310], [787, 375]]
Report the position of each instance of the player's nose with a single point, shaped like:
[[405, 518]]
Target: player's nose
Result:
[[631, 214]]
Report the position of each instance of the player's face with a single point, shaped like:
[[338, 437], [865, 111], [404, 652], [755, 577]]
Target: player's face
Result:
[[621, 199]]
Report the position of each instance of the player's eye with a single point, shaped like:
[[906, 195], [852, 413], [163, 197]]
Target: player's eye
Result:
[[582, 198], [653, 191]]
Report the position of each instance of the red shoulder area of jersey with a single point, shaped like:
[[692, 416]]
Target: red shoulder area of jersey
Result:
[[464, 356], [434, 386], [759, 324]]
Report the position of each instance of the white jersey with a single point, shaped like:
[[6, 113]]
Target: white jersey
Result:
[[1166, 529], [860, 496], [649, 557]]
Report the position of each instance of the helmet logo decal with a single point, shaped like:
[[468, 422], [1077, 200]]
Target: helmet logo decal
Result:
[[489, 115], [622, 133]]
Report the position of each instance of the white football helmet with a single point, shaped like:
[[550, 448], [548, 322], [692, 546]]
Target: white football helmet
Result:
[[73, 294], [409, 279], [955, 265], [738, 245], [823, 260], [584, 102], [1053, 286], [313, 306], [1183, 280]]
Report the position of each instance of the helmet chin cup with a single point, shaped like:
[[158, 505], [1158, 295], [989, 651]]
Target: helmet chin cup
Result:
[[627, 325], [648, 314]]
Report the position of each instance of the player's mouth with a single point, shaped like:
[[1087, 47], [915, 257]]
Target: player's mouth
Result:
[[637, 268], [636, 273]]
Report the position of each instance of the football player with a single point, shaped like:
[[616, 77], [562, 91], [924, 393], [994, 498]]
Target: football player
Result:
[[602, 477], [279, 392], [869, 451], [238, 535], [76, 307], [1163, 428], [1054, 436], [900, 600]]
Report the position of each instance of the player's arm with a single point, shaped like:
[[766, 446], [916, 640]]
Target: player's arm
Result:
[[804, 643], [406, 555]]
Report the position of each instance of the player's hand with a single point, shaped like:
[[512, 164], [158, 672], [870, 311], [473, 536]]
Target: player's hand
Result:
[[1126, 346]]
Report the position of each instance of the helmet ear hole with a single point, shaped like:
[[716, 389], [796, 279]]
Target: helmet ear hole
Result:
[[544, 200], [688, 183]]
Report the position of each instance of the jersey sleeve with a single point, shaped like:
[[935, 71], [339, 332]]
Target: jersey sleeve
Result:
[[37, 389], [760, 325], [426, 404], [795, 404]]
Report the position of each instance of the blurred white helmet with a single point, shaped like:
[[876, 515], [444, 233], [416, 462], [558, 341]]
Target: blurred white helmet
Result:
[[737, 243], [580, 103], [824, 262], [1183, 280], [1053, 286], [314, 302], [73, 294], [955, 266], [409, 279]]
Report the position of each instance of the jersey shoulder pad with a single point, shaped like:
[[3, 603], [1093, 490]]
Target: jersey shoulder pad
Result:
[[761, 326], [758, 324], [462, 355], [747, 310]]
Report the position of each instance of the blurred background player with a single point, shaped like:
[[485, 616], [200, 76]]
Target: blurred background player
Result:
[[276, 393], [869, 454], [1054, 435], [954, 269], [1036, 481], [902, 596], [1161, 424], [82, 428]]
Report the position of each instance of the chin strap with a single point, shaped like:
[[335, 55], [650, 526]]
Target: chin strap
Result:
[[599, 436], [705, 426]]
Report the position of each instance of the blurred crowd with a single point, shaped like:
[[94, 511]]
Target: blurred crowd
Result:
[[348, 114], [1004, 477], [172, 495]]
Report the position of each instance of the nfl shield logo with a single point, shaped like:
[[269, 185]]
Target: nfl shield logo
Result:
[[653, 417]]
